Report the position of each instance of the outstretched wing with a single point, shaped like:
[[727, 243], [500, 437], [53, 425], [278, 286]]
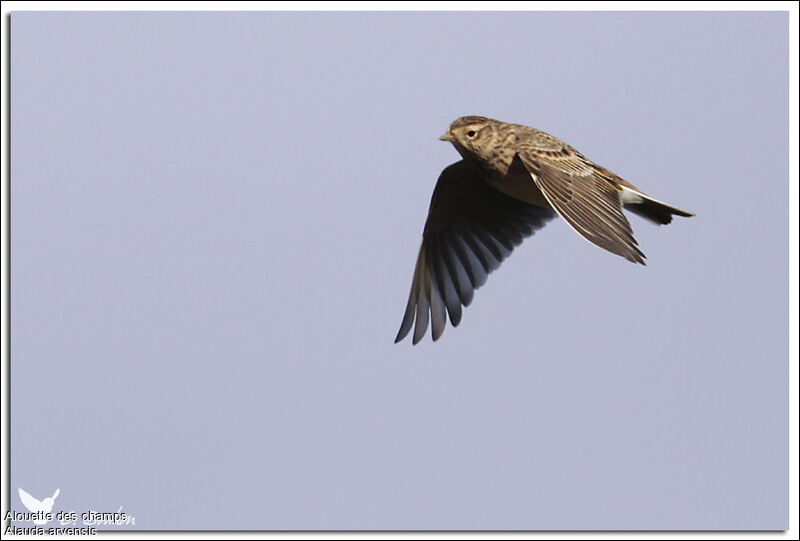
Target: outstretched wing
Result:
[[584, 195], [29, 501], [471, 228]]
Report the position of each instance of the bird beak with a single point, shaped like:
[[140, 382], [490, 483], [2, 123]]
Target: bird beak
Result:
[[447, 137]]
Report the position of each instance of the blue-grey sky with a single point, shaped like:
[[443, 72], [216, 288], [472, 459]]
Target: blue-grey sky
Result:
[[215, 218]]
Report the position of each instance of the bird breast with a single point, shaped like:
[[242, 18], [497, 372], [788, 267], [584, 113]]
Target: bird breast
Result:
[[518, 183]]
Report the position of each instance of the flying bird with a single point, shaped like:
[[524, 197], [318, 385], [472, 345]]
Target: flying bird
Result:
[[511, 181], [36, 506]]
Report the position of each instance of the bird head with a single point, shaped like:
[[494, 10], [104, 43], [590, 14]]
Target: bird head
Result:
[[51, 500], [473, 136]]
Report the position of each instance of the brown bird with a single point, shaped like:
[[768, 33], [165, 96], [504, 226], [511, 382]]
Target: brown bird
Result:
[[512, 180]]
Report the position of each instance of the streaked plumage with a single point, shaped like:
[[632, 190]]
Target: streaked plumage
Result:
[[511, 181]]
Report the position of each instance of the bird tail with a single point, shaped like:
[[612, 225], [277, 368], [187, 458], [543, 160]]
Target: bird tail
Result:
[[648, 208]]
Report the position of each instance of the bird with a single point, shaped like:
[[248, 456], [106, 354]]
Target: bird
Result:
[[36, 506], [511, 181]]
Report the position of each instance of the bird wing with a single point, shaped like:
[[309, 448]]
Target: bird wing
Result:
[[584, 195], [29, 501], [471, 228]]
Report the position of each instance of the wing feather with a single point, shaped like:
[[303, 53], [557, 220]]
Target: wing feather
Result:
[[581, 194], [471, 228]]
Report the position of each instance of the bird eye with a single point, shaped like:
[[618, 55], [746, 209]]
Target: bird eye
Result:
[[471, 133]]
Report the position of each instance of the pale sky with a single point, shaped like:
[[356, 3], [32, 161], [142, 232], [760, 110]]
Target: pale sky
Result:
[[215, 218]]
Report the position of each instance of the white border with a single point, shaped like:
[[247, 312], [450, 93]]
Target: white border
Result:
[[499, 5], [794, 220], [794, 292]]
